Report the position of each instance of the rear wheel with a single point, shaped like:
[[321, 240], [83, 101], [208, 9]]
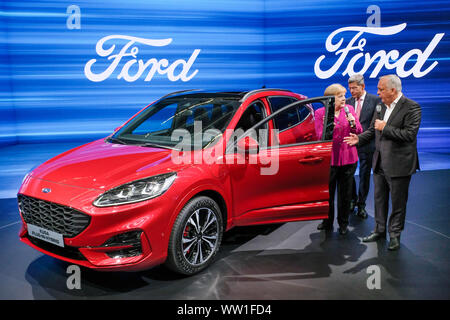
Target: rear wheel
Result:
[[196, 236]]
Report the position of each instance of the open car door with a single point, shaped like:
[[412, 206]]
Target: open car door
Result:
[[287, 167]]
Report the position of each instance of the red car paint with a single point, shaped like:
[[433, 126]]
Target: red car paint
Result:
[[299, 191]]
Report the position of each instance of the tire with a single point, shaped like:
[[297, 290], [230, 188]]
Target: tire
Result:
[[196, 236]]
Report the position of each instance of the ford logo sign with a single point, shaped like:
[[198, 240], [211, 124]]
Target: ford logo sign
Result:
[[46, 190]]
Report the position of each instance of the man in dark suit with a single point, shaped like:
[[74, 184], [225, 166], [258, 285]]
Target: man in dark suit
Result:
[[395, 129], [364, 104]]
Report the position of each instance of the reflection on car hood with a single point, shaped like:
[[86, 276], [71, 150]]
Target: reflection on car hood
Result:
[[102, 165]]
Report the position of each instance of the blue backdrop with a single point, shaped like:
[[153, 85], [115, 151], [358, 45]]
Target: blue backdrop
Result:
[[75, 70]]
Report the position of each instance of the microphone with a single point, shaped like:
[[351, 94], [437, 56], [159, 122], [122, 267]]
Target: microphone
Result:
[[347, 112], [378, 109]]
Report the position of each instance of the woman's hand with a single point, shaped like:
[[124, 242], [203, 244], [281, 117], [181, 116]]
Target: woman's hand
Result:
[[350, 117]]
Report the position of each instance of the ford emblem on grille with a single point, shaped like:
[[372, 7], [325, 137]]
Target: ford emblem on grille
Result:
[[46, 190]]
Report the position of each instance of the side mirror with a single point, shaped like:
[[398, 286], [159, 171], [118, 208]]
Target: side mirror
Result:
[[248, 145]]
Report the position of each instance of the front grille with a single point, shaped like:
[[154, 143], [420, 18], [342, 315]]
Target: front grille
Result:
[[51, 216]]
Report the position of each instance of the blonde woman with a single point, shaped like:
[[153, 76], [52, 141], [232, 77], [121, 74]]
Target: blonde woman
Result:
[[344, 158]]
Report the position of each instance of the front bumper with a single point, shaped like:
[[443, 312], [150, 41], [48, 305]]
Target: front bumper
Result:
[[88, 248], [94, 257]]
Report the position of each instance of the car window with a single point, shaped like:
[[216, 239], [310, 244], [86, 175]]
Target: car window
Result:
[[302, 123], [304, 111], [251, 116], [168, 121], [161, 120], [287, 119], [295, 125], [300, 132]]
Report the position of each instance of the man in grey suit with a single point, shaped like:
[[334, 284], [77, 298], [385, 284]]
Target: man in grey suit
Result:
[[364, 104], [394, 126]]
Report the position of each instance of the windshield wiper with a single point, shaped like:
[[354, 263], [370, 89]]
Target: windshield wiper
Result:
[[146, 144], [154, 145], [117, 140]]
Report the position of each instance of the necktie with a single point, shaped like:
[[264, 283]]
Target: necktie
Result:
[[358, 108]]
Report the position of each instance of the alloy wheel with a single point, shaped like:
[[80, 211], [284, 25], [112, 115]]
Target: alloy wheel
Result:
[[200, 236]]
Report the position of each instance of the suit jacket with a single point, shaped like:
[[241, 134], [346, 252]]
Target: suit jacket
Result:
[[396, 145], [365, 118]]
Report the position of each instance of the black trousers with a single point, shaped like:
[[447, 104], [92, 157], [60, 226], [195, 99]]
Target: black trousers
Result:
[[365, 167], [397, 188], [341, 179]]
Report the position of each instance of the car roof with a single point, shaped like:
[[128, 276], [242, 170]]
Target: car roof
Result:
[[241, 95]]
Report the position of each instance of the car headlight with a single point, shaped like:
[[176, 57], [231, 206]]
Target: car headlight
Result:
[[136, 191]]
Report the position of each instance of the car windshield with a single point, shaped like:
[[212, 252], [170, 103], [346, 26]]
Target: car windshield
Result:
[[194, 120]]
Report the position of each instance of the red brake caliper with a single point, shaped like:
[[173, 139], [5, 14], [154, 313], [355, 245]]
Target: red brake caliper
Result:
[[186, 233]]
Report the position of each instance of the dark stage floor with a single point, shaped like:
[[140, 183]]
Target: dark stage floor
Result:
[[289, 261]]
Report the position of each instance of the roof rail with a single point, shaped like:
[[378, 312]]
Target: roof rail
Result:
[[177, 92], [250, 93]]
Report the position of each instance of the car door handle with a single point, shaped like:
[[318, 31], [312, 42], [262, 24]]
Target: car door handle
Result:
[[310, 160]]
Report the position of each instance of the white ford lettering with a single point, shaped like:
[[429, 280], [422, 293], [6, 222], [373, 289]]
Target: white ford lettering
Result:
[[178, 70], [385, 57]]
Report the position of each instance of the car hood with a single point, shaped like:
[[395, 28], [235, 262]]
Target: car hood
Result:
[[103, 165]]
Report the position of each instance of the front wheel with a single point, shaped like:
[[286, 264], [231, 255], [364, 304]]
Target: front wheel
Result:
[[196, 236]]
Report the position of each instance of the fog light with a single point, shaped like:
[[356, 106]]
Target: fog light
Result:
[[124, 245], [124, 253]]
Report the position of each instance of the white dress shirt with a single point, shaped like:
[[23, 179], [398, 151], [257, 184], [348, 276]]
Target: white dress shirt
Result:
[[391, 107]]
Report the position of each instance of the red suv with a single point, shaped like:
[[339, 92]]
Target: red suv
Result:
[[165, 186]]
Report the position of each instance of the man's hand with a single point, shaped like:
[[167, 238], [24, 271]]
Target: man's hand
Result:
[[379, 125], [352, 139]]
